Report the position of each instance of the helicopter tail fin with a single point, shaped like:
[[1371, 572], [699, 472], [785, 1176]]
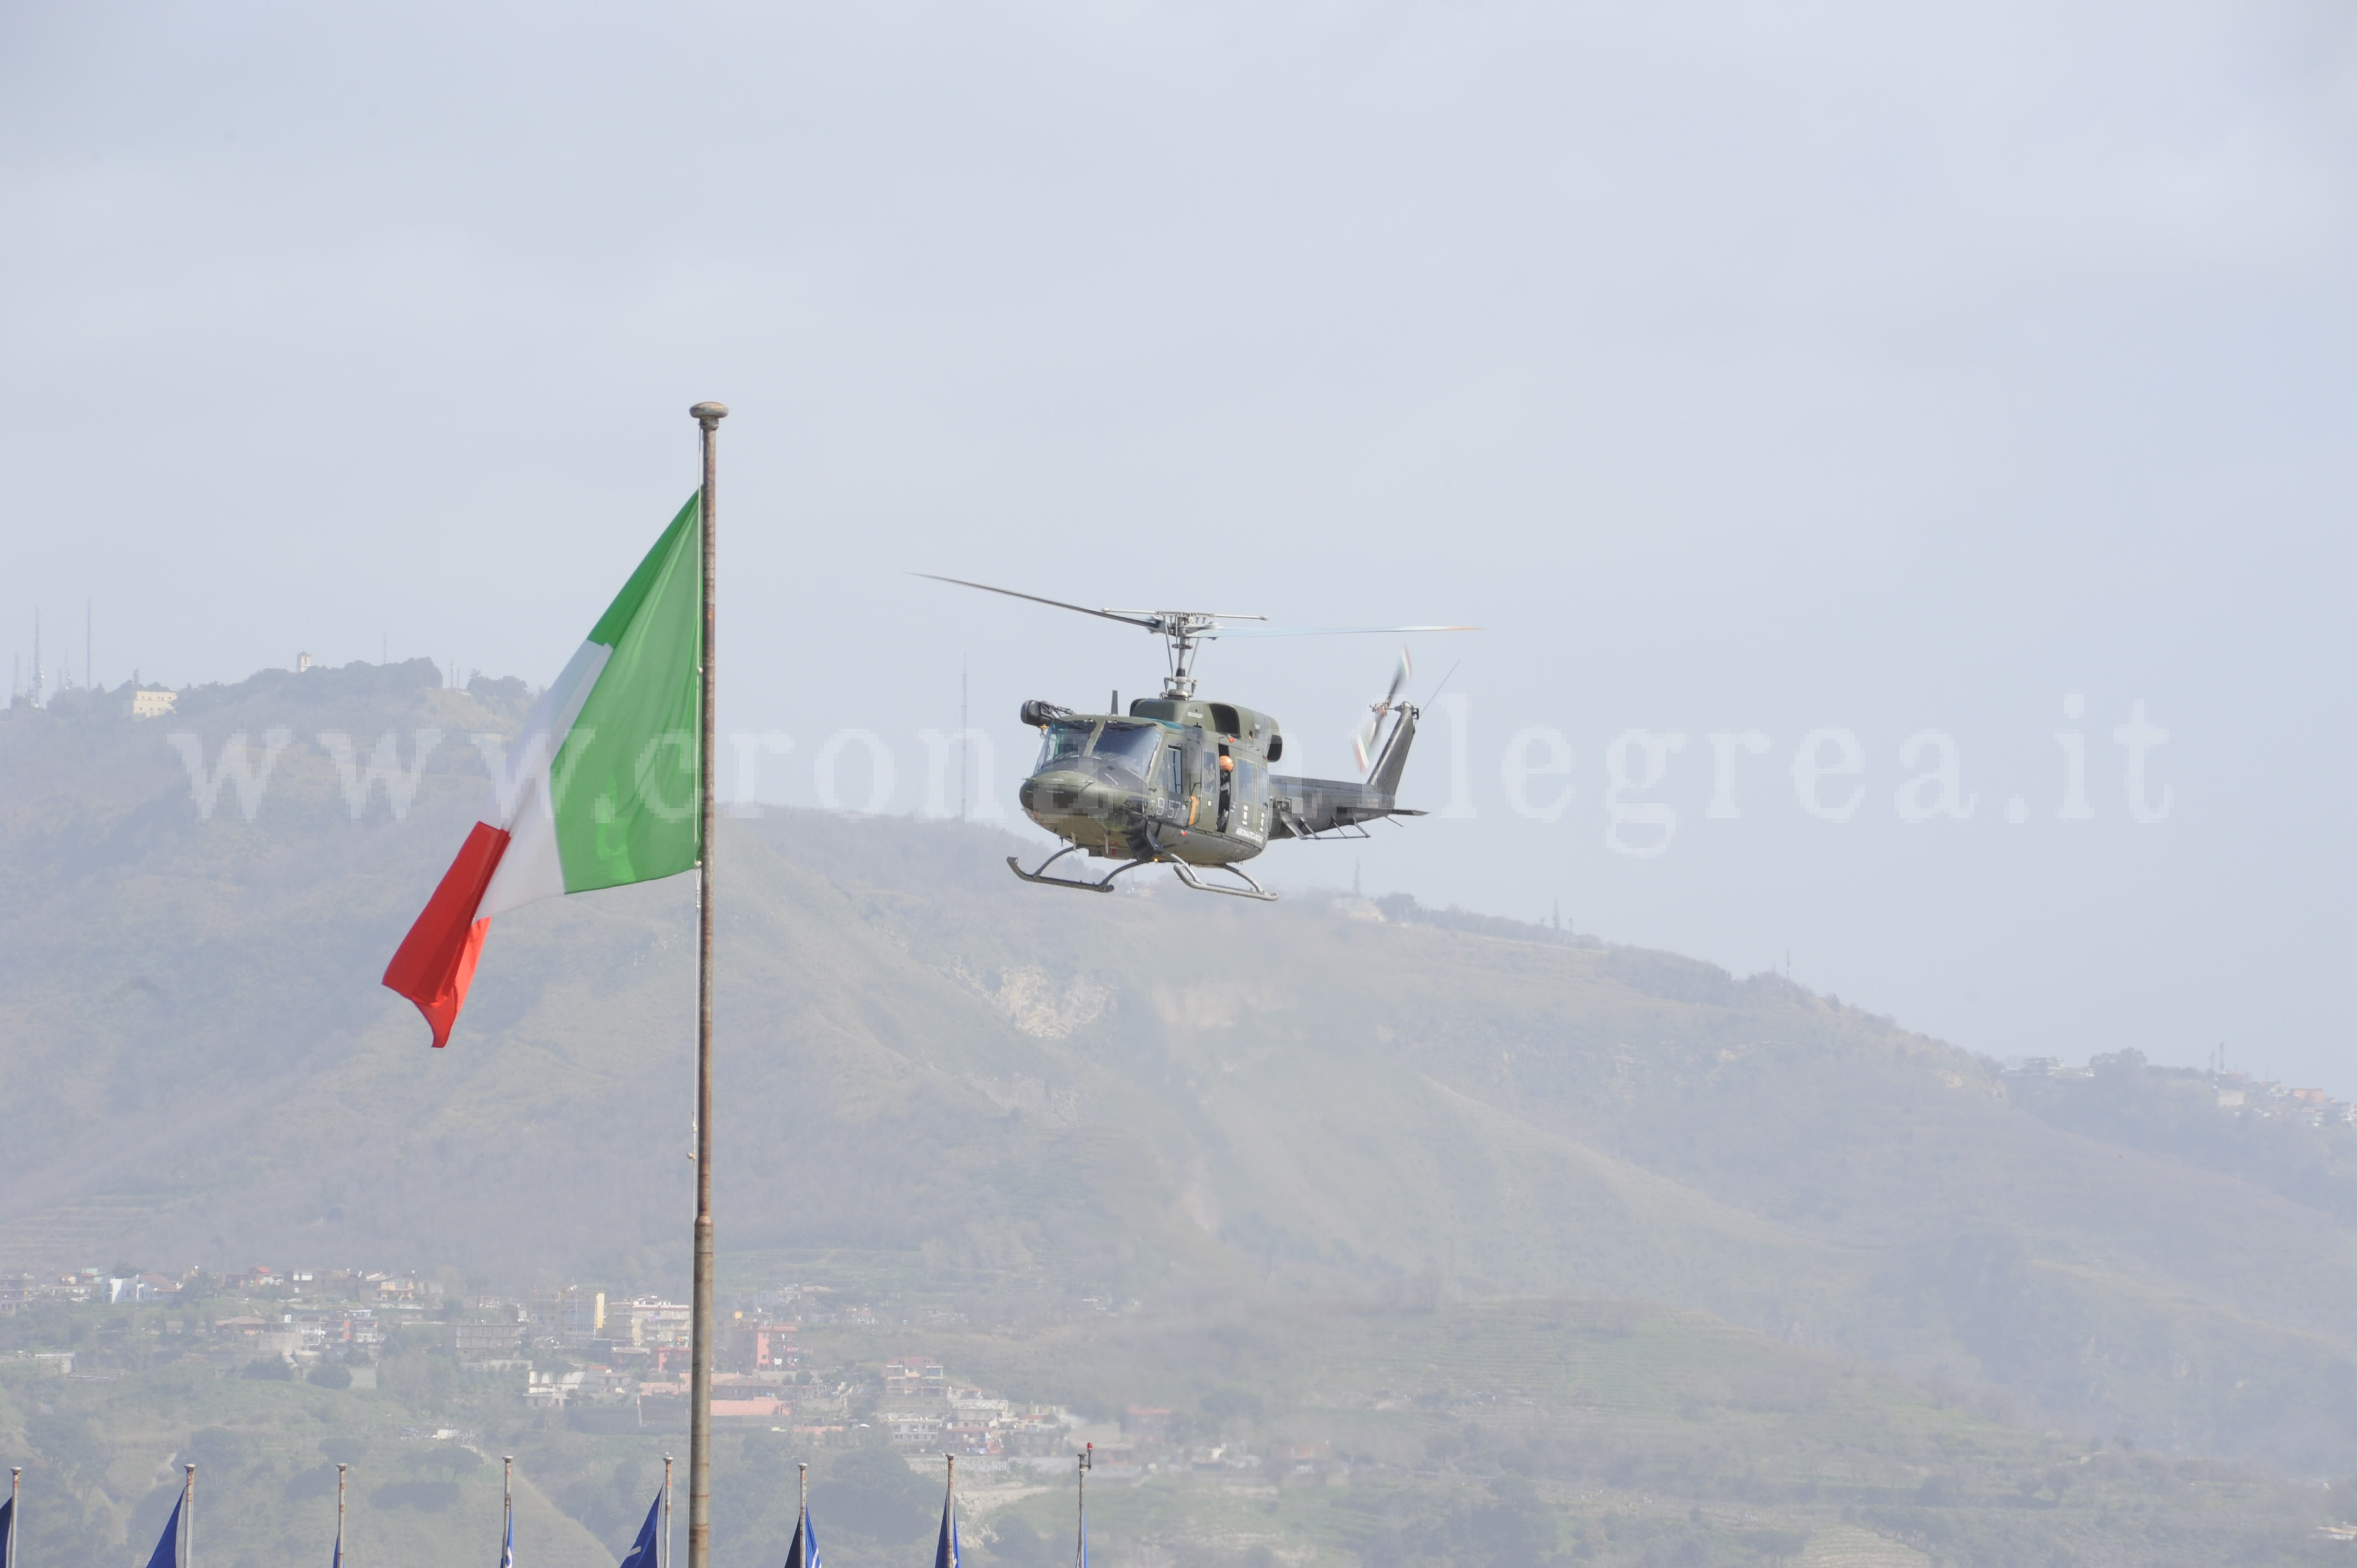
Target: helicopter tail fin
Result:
[[1384, 777]]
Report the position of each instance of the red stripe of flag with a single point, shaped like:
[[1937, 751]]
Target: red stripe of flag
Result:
[[436, 960]]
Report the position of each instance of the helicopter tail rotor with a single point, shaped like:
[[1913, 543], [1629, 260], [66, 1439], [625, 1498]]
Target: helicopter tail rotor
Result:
[[1363, 741]]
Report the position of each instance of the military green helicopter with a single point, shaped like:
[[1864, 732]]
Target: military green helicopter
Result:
[[1178, 782]]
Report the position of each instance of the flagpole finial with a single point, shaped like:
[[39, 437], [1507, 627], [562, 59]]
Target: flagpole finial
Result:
[[709, 415]]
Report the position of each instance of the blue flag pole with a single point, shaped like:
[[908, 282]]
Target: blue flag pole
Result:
[[507, 1507], [804, 1552], [1084, 1461], [339, 1561], [945, 1553], [8, 1517], [798, 1550]]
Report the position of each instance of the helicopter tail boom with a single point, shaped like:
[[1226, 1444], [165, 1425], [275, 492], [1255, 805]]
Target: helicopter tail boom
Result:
[[1310, 808]]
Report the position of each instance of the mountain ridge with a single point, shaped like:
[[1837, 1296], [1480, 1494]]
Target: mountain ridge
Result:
[[1151, 1094]]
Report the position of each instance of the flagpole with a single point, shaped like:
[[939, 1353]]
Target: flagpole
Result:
[[339, 1516], [1081, 1547], [507, 1506], [15, 1484], [707, 416], [189, 1523], [666, 1525]]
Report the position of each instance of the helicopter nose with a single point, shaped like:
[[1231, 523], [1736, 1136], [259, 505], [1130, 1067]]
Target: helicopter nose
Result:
[[1057, 792]]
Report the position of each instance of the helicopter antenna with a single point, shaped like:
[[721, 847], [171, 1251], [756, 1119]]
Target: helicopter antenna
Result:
[[1444, 683]]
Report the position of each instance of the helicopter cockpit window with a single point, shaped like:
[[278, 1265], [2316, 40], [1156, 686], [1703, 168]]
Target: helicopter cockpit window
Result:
[[1063, 741], [1130, 747]]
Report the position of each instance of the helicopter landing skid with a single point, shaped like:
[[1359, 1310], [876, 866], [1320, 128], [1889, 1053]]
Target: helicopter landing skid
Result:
[[1042, 876], [1250, 889]]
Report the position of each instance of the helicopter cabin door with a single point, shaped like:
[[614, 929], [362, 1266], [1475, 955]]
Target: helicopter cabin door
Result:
[[1241, 781], [1247, 793], [1198, 789]]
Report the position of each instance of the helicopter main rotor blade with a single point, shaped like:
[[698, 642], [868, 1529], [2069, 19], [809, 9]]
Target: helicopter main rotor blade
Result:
[[1191, 615], [1333, 631], [1127, 620]]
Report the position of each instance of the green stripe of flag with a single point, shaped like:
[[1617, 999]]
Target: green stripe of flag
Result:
[[625, 778]]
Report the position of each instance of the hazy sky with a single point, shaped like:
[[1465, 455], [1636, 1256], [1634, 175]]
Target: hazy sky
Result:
[[1782, 369]]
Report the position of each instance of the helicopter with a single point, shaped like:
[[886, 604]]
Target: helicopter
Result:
[[1185, 783]]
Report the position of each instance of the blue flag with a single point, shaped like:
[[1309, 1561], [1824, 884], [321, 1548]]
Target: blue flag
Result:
[[167, 1550], [945, 1555], [642, 1550], [507, 1551], [803, 1553]]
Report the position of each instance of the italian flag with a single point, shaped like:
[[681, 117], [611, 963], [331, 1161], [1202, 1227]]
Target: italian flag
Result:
[[601, 788]]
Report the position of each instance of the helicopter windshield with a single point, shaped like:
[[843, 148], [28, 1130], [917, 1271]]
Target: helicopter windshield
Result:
[[1063, 740], [1130, 747]]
